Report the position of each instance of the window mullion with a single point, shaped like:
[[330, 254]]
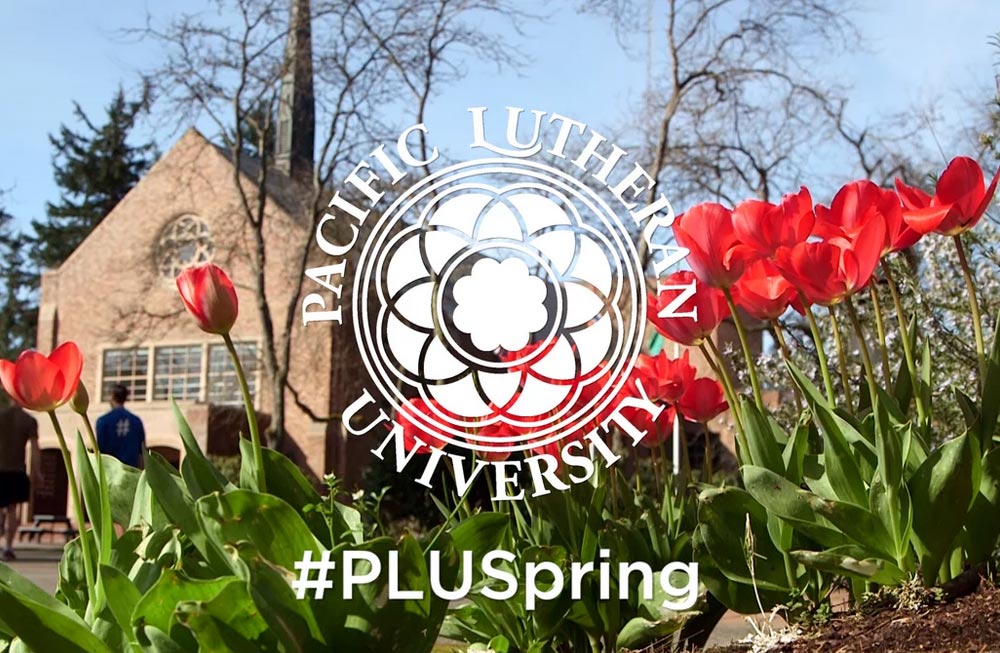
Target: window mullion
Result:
[[150, 367], [203, 390]]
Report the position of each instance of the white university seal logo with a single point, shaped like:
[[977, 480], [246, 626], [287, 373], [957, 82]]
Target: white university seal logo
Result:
[[498, 303]]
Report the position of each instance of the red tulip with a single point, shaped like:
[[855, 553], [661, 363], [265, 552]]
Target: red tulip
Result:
[[657, 431], [503, 432], [764, 292], [43, 383], [959, 201], [208, 295], [663, 378], [764, 227], [858, 203], [709, 305], [415, 417], [703, 400], [715, 252], [830, 271], [597, 380], [556, 447]]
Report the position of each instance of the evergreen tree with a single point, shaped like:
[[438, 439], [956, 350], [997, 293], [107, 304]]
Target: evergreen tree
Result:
[[18, 310], [95, 168]]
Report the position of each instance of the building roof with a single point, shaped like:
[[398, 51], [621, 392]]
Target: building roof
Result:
[[281, 189]]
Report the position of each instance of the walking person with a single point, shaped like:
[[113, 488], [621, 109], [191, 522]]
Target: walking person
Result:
[[17, 430], [120, 432]]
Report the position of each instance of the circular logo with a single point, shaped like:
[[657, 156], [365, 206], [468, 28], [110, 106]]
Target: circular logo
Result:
[[504, 294]]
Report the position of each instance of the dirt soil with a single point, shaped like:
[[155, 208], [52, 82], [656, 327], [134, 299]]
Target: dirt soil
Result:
[[968, 625]]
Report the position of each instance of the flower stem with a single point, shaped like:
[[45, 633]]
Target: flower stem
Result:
[[613, 479], [716, 361], [779, 335], [258, 450], [866, 357], [745, 342], [88, 556], [490, 488], [654, 463], [911, 364], [107, 527], [880, 328], [977, 323], [845, 376], [450, 518], [685, 455], [707, 462], [786, 354], [663, 455], [818, 340], [719, 368]]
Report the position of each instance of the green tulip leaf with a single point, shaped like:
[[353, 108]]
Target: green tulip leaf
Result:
[[850, 560], [274, 527], [990, 404], [145, 509], [838, 437], [895, 510], [722, 519], [902, 388], [286, 480], [123, 481], [738, 596], [968, 407], [983, 522], [160, 642], [467, 623], [231, 618], [42, 622], [412, 625], [72, 587], [297, 624], [200, 475], [795, 451], [212, 633], [156, 608], [95, 501], [170, 493], [639, 633], [481, 533], [793, 504], [762, 439], [942, 490], [893, 435], [122, 598]]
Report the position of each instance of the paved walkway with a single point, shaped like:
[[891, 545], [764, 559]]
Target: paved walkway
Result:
[[39, 563]]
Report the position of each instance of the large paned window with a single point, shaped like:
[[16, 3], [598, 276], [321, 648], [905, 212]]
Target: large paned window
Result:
[[177, 372], [128, 367], [194, 372], [223, 384]]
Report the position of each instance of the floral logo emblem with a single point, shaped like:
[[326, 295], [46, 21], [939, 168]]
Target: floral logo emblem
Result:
[[507, 295]]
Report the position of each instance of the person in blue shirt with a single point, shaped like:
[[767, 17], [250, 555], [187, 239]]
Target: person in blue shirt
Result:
[[120, 432]]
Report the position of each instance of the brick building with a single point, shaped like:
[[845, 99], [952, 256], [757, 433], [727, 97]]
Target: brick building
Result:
[[115, 297]]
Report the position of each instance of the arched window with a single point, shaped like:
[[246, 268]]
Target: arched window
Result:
[[184, 242]]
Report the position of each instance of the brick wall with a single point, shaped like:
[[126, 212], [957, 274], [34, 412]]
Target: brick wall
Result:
[[110, 293]]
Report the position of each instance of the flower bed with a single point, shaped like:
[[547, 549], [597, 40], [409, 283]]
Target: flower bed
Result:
[[859, 492]]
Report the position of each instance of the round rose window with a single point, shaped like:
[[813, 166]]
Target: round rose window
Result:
[[184, 242]]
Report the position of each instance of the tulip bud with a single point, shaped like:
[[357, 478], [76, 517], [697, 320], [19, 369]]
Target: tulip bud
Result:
[[81, 400], [209, 296]]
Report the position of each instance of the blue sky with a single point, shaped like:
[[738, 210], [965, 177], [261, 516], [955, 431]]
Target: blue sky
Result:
[[55, 52]]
